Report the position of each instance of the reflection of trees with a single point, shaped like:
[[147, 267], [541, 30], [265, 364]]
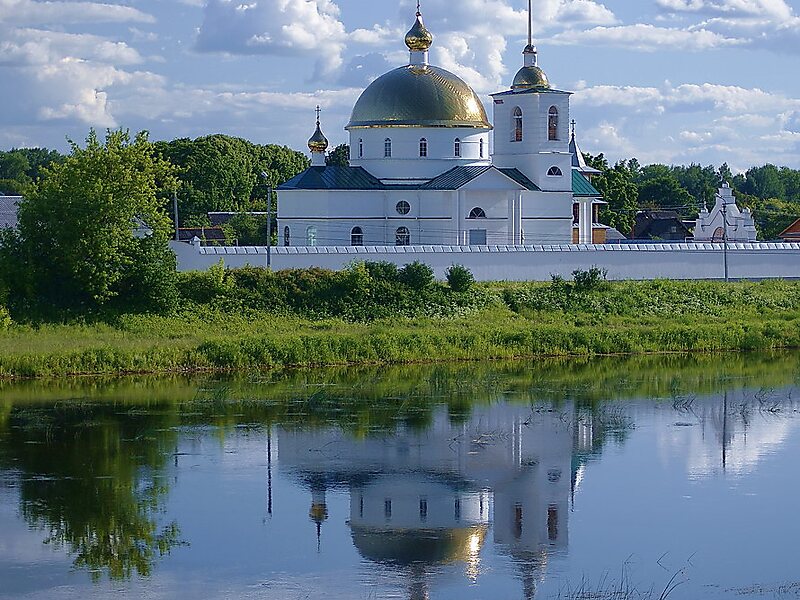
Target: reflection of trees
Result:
[[91, 479]]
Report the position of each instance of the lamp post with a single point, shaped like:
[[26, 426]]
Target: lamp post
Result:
[[725, 237], [269, 218]]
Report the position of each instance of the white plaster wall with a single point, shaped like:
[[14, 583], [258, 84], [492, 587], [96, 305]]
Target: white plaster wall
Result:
[[405, 162], [523, 263]]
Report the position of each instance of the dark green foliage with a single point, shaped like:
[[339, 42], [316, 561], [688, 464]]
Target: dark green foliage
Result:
[[364, 291], [339, 156], [222, 173], [416, 275], [459, 278], [247, 229], [78, 247], [593, 279]]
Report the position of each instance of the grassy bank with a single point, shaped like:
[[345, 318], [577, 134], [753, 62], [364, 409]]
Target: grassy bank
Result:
[[232, 329]]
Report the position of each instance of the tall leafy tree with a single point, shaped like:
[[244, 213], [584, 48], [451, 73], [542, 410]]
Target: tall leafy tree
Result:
[[92, 231], [339, 156], [617, 186]]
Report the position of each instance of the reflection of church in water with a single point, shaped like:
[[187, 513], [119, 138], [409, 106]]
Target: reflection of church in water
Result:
[[422, 499]]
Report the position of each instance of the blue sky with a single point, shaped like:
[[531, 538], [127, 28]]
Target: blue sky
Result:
[[674, 81]]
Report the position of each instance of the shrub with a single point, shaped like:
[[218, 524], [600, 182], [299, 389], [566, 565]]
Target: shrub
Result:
[[382, 271], [416, 275], [459, 278], [5, 318], [592, 279]]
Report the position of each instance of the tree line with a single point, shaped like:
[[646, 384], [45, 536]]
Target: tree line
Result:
[[94, 224]]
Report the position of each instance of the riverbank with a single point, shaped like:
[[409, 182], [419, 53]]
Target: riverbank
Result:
[[491, 321]]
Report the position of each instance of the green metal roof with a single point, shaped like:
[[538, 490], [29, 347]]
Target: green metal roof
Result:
[[333, 178], [520, 178], [582, 187]]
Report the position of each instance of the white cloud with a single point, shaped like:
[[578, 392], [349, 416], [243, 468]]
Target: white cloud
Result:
[[714, 123], [23, 47], [282, 27], [777, 9], [647, 38], [30, 12]]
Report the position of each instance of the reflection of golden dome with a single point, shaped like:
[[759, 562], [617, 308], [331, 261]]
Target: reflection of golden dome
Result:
[[318, 512], [429, 546], [418, 96], [531, 77], [419, 39], [318, 142]]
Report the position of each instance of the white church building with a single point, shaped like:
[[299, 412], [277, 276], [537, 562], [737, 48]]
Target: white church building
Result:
[[428, 168]]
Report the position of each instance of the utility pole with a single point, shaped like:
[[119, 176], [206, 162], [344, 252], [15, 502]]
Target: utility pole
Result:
[[725, 237], [269, 218], [175, 209]]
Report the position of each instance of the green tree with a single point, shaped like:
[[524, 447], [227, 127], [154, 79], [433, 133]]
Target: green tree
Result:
[[617, 186], [764, 182], [664, 191], [223, 173], [81, 240], [339, 156]]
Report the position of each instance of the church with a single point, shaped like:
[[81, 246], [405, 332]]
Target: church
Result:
[[428, 168]]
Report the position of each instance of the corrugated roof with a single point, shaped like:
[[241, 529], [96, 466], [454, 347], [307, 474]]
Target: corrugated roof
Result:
[[455, 178], [582, 187], [8, 211], [333, 178]]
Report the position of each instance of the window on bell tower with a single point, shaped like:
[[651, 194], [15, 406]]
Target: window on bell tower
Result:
[[516, 125], [480, 148], [457, 148], [552, 124], [387, 148], [423, 148], [361, 148]]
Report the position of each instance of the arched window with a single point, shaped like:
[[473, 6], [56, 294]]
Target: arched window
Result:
[[477, 213], [311, 236], [286, 236], [552, 124], [402, 237], [423, 148], [360, 148], [387, 148], [356, 236], [402, 207], [480, 148], [554, 172], [457, 148], [516, 125]]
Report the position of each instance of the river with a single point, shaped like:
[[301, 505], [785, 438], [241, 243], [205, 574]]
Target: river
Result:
[[652, 477]]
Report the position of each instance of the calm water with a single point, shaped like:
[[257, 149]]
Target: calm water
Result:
[[613, 478]]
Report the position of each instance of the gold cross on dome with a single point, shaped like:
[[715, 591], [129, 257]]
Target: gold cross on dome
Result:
[[318, 111]]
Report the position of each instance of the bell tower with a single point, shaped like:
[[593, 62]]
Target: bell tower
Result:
[[531, 125]]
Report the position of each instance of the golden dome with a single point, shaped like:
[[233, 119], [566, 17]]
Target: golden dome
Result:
[[530, 78], [419, 39], [318, 142], [418, 96]]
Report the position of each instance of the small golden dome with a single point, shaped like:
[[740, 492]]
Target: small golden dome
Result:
[[318, 142], [530, 78], [418, 96], [419, 39]]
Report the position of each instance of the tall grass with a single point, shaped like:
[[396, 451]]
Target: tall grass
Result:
[[510, 320]]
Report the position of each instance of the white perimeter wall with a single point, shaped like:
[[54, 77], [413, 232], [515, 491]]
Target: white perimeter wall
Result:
[[520, 263]]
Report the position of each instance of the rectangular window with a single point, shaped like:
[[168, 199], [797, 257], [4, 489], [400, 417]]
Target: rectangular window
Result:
[[387, 509], [477, 237], [423, 509]]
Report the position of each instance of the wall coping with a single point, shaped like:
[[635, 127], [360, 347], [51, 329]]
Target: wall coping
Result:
[[366, 251]]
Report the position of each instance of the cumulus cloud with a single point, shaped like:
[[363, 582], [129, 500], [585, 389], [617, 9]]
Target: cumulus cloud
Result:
[[25, 47], [648, 38], [283, 27], [714, 123], [31, 12], [777, 9]]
